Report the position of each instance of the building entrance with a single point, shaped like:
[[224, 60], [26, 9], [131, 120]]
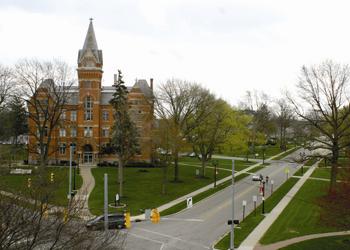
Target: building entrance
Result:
[[88, 154]]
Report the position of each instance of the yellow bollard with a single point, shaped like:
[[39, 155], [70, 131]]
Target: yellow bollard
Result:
[[65, 216], [127, 220], [52, 178], [155, 216], [29, 182]]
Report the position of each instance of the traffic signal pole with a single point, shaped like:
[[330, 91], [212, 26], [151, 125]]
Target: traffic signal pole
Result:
[[232, 246]]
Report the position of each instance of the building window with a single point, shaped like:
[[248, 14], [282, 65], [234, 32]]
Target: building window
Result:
[[63, 115], [62, 149], [62, 132], [87, 84], [105, 132], [88, 131], [88, 104], [73, 132], [73, 116], [105, 115], [74, 147]]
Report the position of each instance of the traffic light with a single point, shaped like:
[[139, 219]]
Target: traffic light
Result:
[[52, 177], [155, 216], [65, 216], [236, 222], [45, 211], [29, 184], [127, 220]]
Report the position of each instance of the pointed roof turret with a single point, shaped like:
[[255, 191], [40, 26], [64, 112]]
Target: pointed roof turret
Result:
[[90, 51], [90, 39]]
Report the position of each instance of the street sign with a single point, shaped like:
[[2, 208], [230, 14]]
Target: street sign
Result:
[[189, 202], [272, 182], [263, 198], [287, 170], [244, 203], [255, 198], [117, 197]]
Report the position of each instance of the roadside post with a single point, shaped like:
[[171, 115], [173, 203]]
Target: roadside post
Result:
[[255, 199], [116, 199], [215, 163], [29, 184], [106, 201], [52, 177], [287, 173], [70, 173], [189, 202], [272, 182], [232, 246], [244, 204], [263, 205]]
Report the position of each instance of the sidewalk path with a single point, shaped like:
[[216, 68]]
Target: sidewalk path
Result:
[[253, 239], [280, 244], [85, 190]]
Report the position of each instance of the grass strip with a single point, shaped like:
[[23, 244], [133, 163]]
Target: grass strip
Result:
[[252, 220], [301, 171], [285, 154]]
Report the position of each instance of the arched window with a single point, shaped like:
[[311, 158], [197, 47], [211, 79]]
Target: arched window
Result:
[[88, 103]]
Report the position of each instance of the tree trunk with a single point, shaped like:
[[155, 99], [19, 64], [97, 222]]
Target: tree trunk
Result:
[[120, 176], [334, 170], [165, 168], [204, 161], [176, 167]]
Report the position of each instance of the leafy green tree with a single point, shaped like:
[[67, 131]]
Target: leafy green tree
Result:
[[213, 131], [124, 135]]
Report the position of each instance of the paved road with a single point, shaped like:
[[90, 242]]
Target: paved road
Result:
[[200, 226]]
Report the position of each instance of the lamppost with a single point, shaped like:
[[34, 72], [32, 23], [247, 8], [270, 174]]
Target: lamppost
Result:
[[215, 163], [263, 197]]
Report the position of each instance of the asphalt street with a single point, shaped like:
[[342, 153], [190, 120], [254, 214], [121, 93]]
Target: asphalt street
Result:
[[200, 226]]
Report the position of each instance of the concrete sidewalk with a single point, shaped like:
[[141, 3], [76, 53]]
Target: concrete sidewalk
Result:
[[253, 239], [85, 190]]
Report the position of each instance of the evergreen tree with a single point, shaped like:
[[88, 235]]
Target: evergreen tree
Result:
[[17, 118], [124, 135]]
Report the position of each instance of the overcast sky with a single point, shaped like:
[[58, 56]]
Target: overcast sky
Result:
[[227, 46]]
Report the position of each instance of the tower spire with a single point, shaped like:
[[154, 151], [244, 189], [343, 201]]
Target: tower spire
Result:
[[90, 39], [90, 49]]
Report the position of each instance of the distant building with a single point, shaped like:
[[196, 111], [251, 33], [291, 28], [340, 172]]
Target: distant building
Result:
[[88, 118]]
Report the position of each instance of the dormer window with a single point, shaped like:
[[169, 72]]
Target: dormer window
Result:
[[88, 104]]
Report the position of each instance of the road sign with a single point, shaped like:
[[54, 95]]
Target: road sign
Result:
[[272, 182], [287, 170], [189, 202], [244, 203], [255, 198]]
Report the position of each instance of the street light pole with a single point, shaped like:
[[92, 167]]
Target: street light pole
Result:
[[232, 246], [263, 198], [215, 164], [70, 173]]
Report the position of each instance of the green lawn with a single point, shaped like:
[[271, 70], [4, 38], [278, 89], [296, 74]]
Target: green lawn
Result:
[[326, 243], [301, 216], [18, 183], [301, 171], [222, 163], [142, 187], [311, 161], [322, 173], [252, 220]]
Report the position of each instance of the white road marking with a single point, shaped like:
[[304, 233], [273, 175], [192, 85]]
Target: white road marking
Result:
[[179, 219], [144, 238], [172, 237]]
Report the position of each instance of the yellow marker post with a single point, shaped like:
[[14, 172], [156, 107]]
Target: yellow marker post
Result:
[[287, 172], [52, 178], [29, 182], [155, 216], [127, 220]]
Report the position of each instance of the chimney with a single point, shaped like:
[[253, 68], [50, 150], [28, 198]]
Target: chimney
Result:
[[151, 83]]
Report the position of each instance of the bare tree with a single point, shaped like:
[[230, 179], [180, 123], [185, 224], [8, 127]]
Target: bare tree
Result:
[[284, 116], [45, 88], [323, 102], [178, 103], [7, 84], [29, 220]]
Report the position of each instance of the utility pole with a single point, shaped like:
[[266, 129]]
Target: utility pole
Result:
[[232, 246]]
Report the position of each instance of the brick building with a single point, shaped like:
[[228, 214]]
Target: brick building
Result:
[[87, 119]]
